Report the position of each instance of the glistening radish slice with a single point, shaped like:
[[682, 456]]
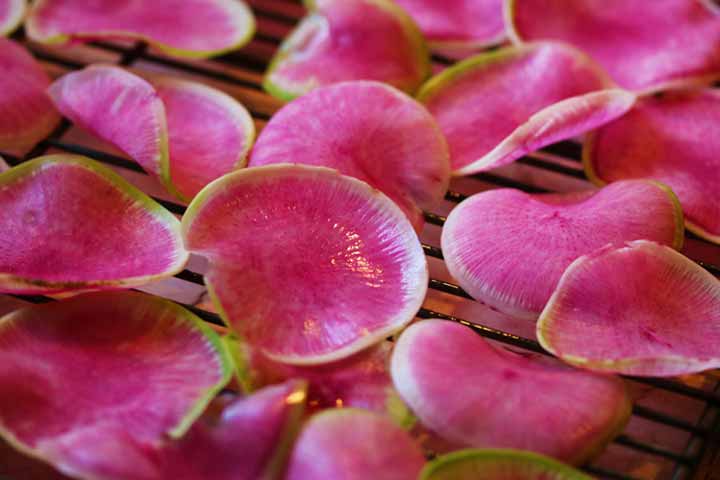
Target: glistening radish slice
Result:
[[496, 107], [279, 238], [11, 15], [71, 224], [575, 417], [378, 135], [508, 248], [641, 309]]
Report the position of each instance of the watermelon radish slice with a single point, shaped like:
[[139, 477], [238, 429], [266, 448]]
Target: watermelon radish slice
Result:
[[641, 47], [508, 248], [120, 108], [354, 444], [349, 40], [26, 113], [249, 439], [210, 133], [70, 224], [556, 93], [185, 28], [469, 24], [11, 15], [475, 464], [659, 315], [670, 137], [578, 414], [379, 135], [104, 362], [348, 263]]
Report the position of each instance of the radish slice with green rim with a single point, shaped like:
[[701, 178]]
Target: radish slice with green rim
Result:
[[554, 92], [379, 135], [107, 361], [11, 15], [199, 28], [210, 133], [305, 232], [641, 46], [354, 444], [26, 113], [349, 40], [670, 137], [476, 464], [579, 413], [70, 224], [509, 249], [641, 309]]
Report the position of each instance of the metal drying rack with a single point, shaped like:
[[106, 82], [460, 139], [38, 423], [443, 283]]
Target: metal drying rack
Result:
[[240, 74]]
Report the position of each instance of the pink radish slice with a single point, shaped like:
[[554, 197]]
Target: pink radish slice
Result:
[[70, 224], [11, 15], [352, 444], [188, 28], [577, 414], [3, 165], [249, 440], [348, 263], [496, 107], [642, 309], [508, 248], [120, 108], [26, 113], [458, 23], [378, 135], [210, 133], [100, 362], [671, 137], [349, 40], [641, 46]]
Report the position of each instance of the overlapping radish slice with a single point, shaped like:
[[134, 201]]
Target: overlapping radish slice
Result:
[[496, 107], [210, 133], [642, 309], [120, 108], [475, 464], [349, 40], [508, 248], [354, 444], [466, 24], [70, 224], [11, 15], [26, 113], [670, 137], [187, 28], [378, 135], [577, 415], [640, 47], [104, 362], [248, 439], [308, 265]]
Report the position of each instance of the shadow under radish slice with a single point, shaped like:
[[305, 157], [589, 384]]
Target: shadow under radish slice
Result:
[[578, 414], [11, 16], [70, 224], [349, 40], [496, 107], [353, 444], [671, 137], [26, 113], [100, 362], [508, 248], [210, 133], [490, 464], [350, 268], [378, 134], [642, 309], [640, 46], [199, 28]]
